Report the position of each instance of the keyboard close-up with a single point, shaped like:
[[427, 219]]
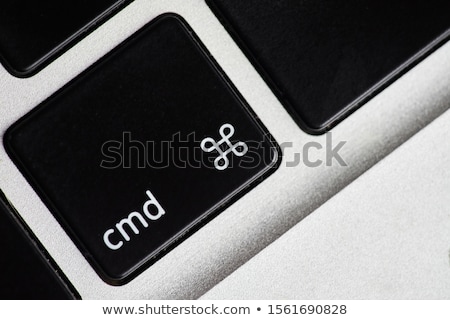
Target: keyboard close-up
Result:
[[154, 141], [110, 159]]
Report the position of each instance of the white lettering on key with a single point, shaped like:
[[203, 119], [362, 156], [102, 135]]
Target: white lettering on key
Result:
[[239, 149], [108, 242], [152, 210], [153, 202], [129, 222]]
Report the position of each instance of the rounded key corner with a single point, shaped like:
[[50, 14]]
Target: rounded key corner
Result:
[[21, 73], [277, 156], [116, 280], [8, 138], [316, 130], [119, 279], [170, 16], [308, 127]]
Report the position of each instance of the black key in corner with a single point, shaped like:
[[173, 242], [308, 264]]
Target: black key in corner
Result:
[[144, 147], [26, 273], [33, 33]]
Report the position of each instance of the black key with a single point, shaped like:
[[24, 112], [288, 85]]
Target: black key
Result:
[[26, 273], [323, 59], [32, 33], [142, 149]]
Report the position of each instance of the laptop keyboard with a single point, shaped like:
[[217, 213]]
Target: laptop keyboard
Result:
[[130, 157], [33, 33], [89, 149], [325, 58]]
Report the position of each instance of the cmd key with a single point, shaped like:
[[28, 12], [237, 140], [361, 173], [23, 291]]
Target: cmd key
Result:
[[325, 58], [142, 149], [33, 33]]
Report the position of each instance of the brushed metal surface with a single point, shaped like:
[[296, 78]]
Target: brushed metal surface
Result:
[[385, 236]]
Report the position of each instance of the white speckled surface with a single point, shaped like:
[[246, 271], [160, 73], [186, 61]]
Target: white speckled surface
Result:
[[263, 214], [385, 236]]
